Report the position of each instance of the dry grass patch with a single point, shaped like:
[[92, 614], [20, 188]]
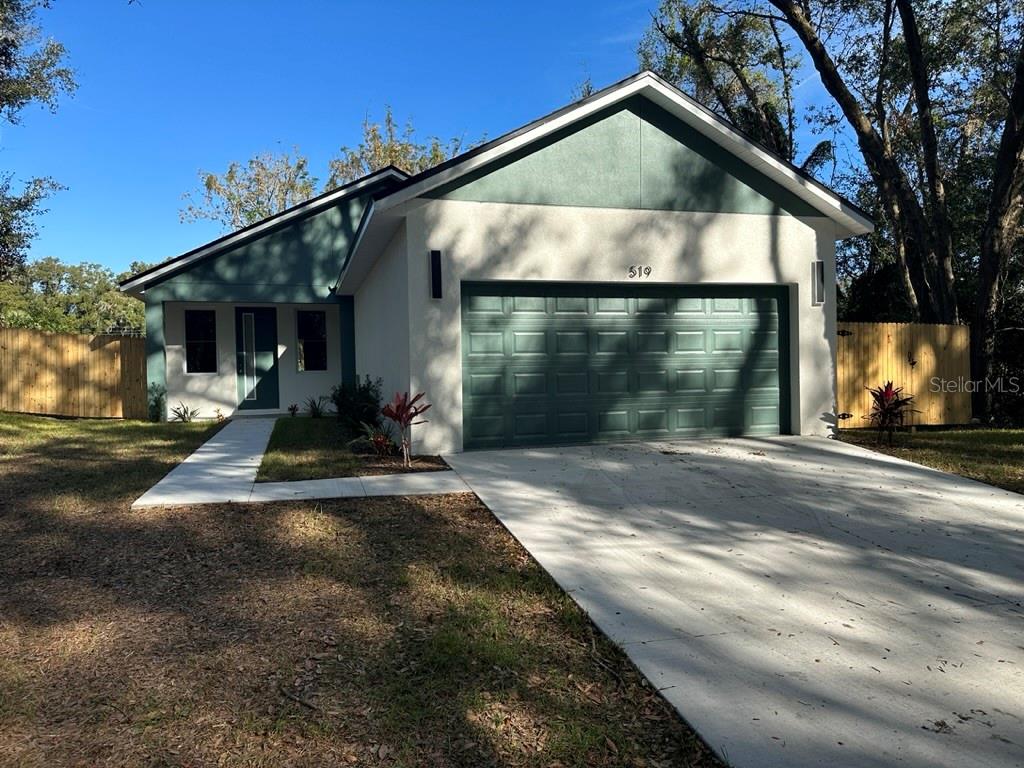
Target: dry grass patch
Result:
[[399, 632]]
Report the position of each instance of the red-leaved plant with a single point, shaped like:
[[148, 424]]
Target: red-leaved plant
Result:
[[889, 407], [404, 411]]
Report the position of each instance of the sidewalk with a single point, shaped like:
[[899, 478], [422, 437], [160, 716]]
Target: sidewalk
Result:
[[223, 471]]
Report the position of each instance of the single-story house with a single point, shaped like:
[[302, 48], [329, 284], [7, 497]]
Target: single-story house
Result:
[[630, 266]]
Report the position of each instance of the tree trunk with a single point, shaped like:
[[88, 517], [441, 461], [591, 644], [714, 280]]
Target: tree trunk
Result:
[[1002, 230], [926, 271], [942, 237]]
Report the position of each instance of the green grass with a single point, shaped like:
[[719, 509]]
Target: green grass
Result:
[[382, 632], [993, 456], [302, 448]]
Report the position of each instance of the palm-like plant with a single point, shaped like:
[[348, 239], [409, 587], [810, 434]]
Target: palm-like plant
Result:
[[404, 411], [889, 408]]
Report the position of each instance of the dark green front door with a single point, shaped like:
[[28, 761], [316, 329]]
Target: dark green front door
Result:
[[256, 353], [572, 363]]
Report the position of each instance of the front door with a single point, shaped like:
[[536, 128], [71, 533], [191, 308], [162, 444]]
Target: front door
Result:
[[256, 348]]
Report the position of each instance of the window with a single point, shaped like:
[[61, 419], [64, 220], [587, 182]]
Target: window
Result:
[[200, 341], [312, 340]]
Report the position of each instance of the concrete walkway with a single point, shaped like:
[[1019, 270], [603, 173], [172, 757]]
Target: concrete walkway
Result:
[[223, 470], [801, 602]]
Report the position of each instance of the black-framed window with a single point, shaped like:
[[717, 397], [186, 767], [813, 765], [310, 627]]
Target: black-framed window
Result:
[[200, 341], [311, 330]]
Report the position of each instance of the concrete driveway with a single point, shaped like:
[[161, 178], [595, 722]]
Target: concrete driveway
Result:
[[801, 602]]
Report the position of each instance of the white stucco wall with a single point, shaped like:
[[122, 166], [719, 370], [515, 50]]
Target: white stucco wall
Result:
[[210, 391], [382, 319], [496, 241]]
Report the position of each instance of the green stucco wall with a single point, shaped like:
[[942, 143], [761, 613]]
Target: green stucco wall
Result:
[[297, 262], [634, 155], [156, 362]]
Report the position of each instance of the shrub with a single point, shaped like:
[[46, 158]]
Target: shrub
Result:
[[157, 401], [182, 412], [403, 411], [357, 404], [315, 406], [361, 446], [889, 407], [381, 437], [293, 409]]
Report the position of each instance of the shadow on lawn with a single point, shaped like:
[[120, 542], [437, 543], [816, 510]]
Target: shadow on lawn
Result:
[[392, 631]]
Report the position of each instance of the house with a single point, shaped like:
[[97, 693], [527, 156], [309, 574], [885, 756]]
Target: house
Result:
[[630, 266]]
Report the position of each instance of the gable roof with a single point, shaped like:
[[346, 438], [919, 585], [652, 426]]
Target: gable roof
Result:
[[378, 181], [390, 204]]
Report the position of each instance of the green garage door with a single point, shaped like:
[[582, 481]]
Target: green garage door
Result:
[[568, 363]]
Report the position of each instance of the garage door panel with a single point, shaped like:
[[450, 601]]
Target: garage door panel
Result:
[[580, 363]]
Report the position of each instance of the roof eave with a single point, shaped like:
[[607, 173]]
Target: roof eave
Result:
[[137, 284], [849, 219]]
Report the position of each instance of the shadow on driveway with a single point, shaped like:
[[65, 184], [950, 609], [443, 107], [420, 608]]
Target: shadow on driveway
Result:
[[800, 601]]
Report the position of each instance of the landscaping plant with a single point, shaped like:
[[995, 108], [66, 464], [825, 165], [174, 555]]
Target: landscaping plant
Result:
[[315, 406], [404, 411], [184, 413], [889, 408], [293, 409], [357, 404], [382, 438]]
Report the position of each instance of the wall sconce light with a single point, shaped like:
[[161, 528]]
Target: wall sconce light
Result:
[[817, 283], [435, 274]]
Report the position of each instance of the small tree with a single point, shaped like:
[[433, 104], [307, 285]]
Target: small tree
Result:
[[403, 411], [889, 407]]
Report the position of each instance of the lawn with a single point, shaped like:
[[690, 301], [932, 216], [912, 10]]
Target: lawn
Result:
[[312, 449], [993, 456], [400, 632]]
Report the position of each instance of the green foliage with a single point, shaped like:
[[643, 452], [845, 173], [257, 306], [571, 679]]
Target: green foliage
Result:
[[357, 404], [156, 400], [50, 295], [18, 211], [386, 144], [315, 407], [32, 70], [244, 194], [381, 437], [184, 413], [293, 410]]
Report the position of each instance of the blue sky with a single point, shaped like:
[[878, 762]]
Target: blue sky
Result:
[[170, 87]]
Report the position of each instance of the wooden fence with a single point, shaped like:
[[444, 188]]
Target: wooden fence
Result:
[[69, 375], [64, 374], [910, 355]]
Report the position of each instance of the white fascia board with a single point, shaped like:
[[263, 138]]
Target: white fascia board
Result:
[[136, 284]]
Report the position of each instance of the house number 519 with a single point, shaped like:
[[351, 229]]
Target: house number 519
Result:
[[638, 271]]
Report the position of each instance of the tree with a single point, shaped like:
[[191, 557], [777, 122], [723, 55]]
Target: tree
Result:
[[268, 184], [17, 221], [385, 144], [936, 110], [50, 295], [32, 70], [244, 194], [739, 65]]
